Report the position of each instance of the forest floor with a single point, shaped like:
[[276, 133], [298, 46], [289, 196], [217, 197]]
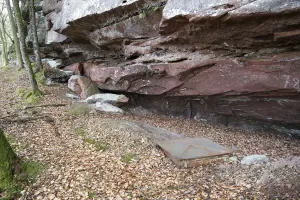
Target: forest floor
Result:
[[90, 155]]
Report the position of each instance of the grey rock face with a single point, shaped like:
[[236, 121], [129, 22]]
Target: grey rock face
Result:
[[49, 6]]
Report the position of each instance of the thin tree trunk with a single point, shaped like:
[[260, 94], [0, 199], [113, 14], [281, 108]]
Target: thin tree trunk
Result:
[[35, 37], [4, 44], [17, 11], [8, 162], [15, 36]]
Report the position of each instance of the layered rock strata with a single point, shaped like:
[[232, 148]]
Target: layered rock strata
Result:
[[228, 61]]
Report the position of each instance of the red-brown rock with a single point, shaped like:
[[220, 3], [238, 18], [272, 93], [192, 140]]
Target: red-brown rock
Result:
[[77, 68], [74, 85], [87, 87], [278, 75]]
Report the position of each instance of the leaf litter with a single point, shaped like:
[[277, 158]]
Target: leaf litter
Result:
[[130, 166]]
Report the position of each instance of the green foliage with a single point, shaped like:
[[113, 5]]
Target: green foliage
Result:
[[99, 146], [79, 110], [30, 171], [147, 10], [14, 173], [11, 192], [91, 195], [4, 68], [29, 97], [142, 15], [128, 158]]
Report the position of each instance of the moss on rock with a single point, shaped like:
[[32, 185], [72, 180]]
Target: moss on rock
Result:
[[8, 162]]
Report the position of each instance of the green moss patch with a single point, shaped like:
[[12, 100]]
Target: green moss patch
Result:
[[99, 146], [128, 158], [79, 131], [79, 110], [29, 97], [31, 170], [40, 78]]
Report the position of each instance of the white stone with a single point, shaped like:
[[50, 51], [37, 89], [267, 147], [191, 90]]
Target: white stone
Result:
[[106, 107], [53, 36], [54, 63], [113, 99], [74, 9], [73, 81], [254, 159], [72, 96]]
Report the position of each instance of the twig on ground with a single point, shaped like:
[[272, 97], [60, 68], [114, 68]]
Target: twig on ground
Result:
[[46, 105], [13, 115]]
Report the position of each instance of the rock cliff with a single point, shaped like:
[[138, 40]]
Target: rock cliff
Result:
[[235, 62]]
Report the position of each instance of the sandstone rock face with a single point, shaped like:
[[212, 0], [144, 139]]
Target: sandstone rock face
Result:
[[82, 86], [76, 68], [87, 87], [203, 77], [234, 62], [73, 84]]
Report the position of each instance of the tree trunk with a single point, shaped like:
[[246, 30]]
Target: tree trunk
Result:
[[8, 162], [25, 56], [35, 37], [4, 44], [15, 36]]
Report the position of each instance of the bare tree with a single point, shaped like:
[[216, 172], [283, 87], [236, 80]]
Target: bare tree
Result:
[[3, 41], [3, 37], [25, 56], [14, 33], [35, 36]]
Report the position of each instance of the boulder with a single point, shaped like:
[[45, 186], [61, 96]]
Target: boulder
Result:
[[76, 68], [254, 159], [56, 75], [114, 99], [82, 86], [88, 88], [74, 85], [54, 37], [106, 107]]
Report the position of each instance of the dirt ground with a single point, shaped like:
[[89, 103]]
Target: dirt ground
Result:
[[94, 156]]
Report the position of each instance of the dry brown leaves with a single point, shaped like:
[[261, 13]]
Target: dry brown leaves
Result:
[[130, 167]]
